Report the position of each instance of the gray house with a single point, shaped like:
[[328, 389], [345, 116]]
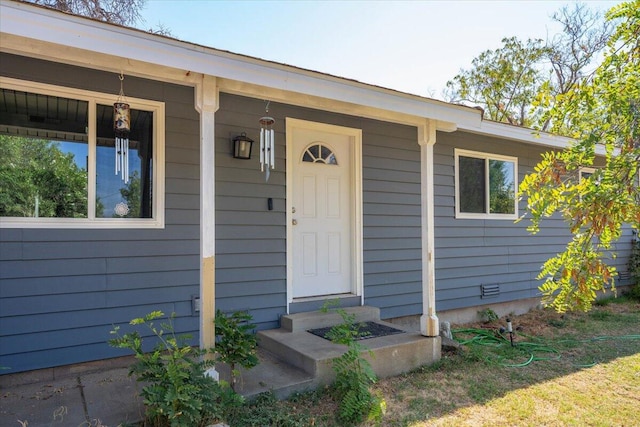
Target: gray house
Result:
[[370, 196]]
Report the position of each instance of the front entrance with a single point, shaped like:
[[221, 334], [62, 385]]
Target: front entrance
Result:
[[323, 203]]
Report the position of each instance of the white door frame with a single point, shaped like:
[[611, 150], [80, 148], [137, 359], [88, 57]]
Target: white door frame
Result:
[[355, 137]]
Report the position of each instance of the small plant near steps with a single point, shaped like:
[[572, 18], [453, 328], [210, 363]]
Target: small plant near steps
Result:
[[354, 375], [235, 342], [177, 391]]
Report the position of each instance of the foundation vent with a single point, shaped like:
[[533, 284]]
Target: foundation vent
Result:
[[624, 275], [490, 291]]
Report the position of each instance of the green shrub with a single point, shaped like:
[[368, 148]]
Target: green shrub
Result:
[[488, 315], [177, 391], [354, 376], [235, 342]]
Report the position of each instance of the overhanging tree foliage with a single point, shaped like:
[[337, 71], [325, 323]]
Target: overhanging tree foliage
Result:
[[503, 81], [123, 12], [570, 53], [600, 112], [507, 82]]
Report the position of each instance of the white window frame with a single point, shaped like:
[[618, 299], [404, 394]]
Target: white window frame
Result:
[[93, 99], [582, 170], [486, 157]]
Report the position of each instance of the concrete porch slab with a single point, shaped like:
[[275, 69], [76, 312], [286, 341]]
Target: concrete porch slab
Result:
[[271, 374], [389, 355]]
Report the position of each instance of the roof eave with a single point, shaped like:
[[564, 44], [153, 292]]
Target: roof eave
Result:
[[76, 32], [25, 20]]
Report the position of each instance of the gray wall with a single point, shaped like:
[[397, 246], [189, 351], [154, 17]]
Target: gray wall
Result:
[[473, 252], [251, 240], [62, 290]]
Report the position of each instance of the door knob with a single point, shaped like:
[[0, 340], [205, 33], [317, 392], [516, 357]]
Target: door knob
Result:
[[294, 221]]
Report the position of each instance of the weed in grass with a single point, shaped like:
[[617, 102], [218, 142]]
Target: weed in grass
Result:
[[603, 302], [600, 315], [266, 410], [483, 390], [421, 405], [474, 354], [558, 323]]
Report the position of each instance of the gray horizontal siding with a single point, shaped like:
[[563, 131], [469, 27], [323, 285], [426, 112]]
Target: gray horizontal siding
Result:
[[392, 224], [473, 252], [63, 290], [251, 240]]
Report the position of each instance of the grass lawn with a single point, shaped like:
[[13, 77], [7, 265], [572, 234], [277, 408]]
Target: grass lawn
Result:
[[577, 369]]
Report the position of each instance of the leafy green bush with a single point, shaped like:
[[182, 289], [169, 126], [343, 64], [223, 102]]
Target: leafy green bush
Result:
[[235, 342], [488, 315], [177, 391], [354, 376]]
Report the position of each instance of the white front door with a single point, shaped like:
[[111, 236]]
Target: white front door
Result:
[[322, 212]]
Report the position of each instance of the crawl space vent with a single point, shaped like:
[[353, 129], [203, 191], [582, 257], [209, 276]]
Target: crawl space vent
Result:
[[490, 291]]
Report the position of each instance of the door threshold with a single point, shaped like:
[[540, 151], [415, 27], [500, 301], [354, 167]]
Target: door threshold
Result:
[[320, 302], [323, 297]]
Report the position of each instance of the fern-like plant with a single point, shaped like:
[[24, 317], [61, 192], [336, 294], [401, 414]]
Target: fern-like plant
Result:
[[354, 375], [235, 342], [177, 391]]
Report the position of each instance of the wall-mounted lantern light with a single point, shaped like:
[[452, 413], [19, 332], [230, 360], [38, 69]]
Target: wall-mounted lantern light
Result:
[[242, 146]]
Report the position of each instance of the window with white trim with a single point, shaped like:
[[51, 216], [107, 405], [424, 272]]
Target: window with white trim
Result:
[[485, 185], [58, 157], [585, 173]]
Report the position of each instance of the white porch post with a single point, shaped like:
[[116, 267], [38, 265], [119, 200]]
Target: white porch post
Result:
[[428, 321], [207, 103]]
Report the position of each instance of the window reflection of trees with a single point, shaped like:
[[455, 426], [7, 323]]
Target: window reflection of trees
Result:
[[474, 195], [501, 187], [38, 178]]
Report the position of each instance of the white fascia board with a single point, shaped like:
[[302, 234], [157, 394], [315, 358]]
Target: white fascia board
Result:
[[517, 133], [45, 25], [525, 135]]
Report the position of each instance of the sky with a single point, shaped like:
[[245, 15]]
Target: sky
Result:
[[410, 46]]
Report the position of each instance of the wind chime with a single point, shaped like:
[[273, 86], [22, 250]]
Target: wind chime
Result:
[[267, 144], [122, 128]]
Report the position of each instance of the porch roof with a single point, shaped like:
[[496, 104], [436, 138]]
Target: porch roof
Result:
[[42, 32]]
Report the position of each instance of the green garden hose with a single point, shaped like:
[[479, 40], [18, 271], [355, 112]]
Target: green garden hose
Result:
[[532, 350]]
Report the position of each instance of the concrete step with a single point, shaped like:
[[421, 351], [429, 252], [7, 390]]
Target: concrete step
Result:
[[389, 355], [318, 319], [271, 374]]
